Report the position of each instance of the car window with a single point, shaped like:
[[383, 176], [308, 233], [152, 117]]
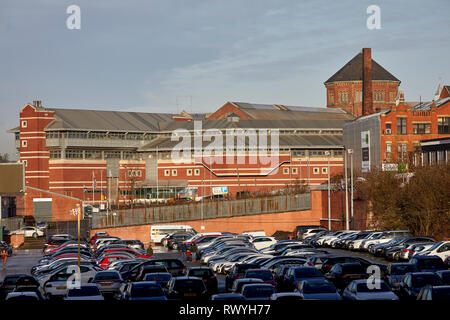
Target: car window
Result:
[[140, 291], [364, 287]]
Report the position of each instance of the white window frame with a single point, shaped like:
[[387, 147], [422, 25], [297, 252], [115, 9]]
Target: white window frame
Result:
[[24, 143]]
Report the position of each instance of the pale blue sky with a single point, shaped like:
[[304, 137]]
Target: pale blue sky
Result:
[[142, 55]]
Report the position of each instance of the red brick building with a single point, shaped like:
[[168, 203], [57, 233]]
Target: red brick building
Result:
[[347, 90]]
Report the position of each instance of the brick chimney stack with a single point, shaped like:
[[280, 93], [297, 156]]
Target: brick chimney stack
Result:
[[367, 103]]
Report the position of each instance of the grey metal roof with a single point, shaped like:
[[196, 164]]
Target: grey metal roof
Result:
[[352, 71], [106, 120], [285, 141], [256, 124], [425, 106], [283, 112]]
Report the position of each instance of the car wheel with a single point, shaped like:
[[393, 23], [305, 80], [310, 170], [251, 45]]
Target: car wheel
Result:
[[175, 246], [35, 235]]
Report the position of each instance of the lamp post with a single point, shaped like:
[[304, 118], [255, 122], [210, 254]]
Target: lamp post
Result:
[[347, 227], [327, 153], [350, 152]]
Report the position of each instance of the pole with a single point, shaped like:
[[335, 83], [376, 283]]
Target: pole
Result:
[[329, 194], [157, 178], [351, 190], [347, 227], [93, 186], [79, 214]]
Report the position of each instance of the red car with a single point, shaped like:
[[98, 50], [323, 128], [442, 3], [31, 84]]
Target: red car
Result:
[[119, 250], [104, 263]]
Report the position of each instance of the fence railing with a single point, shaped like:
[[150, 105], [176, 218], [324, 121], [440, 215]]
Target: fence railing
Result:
[[205, 210]]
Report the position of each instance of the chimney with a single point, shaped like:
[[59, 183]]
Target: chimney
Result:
[[367, 105], [37, 103]]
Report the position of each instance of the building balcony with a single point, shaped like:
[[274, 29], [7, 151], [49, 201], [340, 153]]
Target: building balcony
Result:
[[93, 143]]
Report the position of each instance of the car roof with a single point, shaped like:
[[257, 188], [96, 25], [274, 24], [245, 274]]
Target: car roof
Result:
[[187, 278]]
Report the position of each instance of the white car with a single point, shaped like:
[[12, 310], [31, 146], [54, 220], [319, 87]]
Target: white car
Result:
[[328, 240], [356, 244], [263, 242], [29, 232], [367, 290], [88, 272], [386, 236], [440, 249], [16, 295], [88, 291]]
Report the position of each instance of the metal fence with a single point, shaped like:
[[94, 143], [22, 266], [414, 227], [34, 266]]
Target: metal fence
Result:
[[206, 210]]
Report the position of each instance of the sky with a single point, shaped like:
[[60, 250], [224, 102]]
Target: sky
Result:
[[174, 55]]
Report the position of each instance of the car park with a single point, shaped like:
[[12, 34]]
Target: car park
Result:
[[264, 274], [428, 263], [396, 271], [341, 274], [206, 275], [413, 282], [28, 232], [161, 278], [181, 288], [108, 282], [144, 291], [296, 274], [86, 292], [434, 293]]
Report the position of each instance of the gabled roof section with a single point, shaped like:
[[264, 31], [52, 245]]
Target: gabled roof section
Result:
[[283, 112], [98, 120], [353, 71]]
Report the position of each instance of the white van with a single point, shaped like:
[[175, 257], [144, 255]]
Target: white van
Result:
[[157, 232]]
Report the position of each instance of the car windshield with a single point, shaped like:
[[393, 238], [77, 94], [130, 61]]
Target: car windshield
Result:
[[352, 269], [189, 285], [307, 272], [441, 293], [259, 291], [419, 281], [373, 287], [201, 273], [430, 262], [319, 287], [263, 275], [141, 291], [84, 291], [107, 276], [157, 277], [436, 245], [401, 269]]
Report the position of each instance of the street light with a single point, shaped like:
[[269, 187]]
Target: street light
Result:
[[327, 153], [347, 227], [350, 152]]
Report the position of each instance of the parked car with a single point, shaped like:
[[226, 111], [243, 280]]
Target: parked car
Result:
[[435, 293], [28, 232], [86, 292], [186, 288], [9, 284], [364, 290], [445, 276], [238, 271], [413, 282], [396, 271], [108, 281], [296, 274], [139, 291], [262, 242], [161, 278], [207, 276], [264, 274], [258, 291], [428, 263], [286, 296], [228, 297], [341, 274], [440, 249], [317, 289]]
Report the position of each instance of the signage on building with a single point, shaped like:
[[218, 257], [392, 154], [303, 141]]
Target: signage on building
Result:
[[219, 190], [365, 151], [394, 167]]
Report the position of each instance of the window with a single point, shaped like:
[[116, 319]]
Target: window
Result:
[[166, 173], [401, 125], [197, 172], [388, 147], [93, 154], [402, 150], [443, 124], [112, 154], [285, 170], [189, 172], [17, 135], [388, 128], [343, 97], [55, 154], [24, 143], [378, 96], [324, 170], [392, 96], [331, 98], [25, 162], [421, 128], [294, 170], [174, 173], [316, 170], [299, 153], [24, 124], [74, 154]]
